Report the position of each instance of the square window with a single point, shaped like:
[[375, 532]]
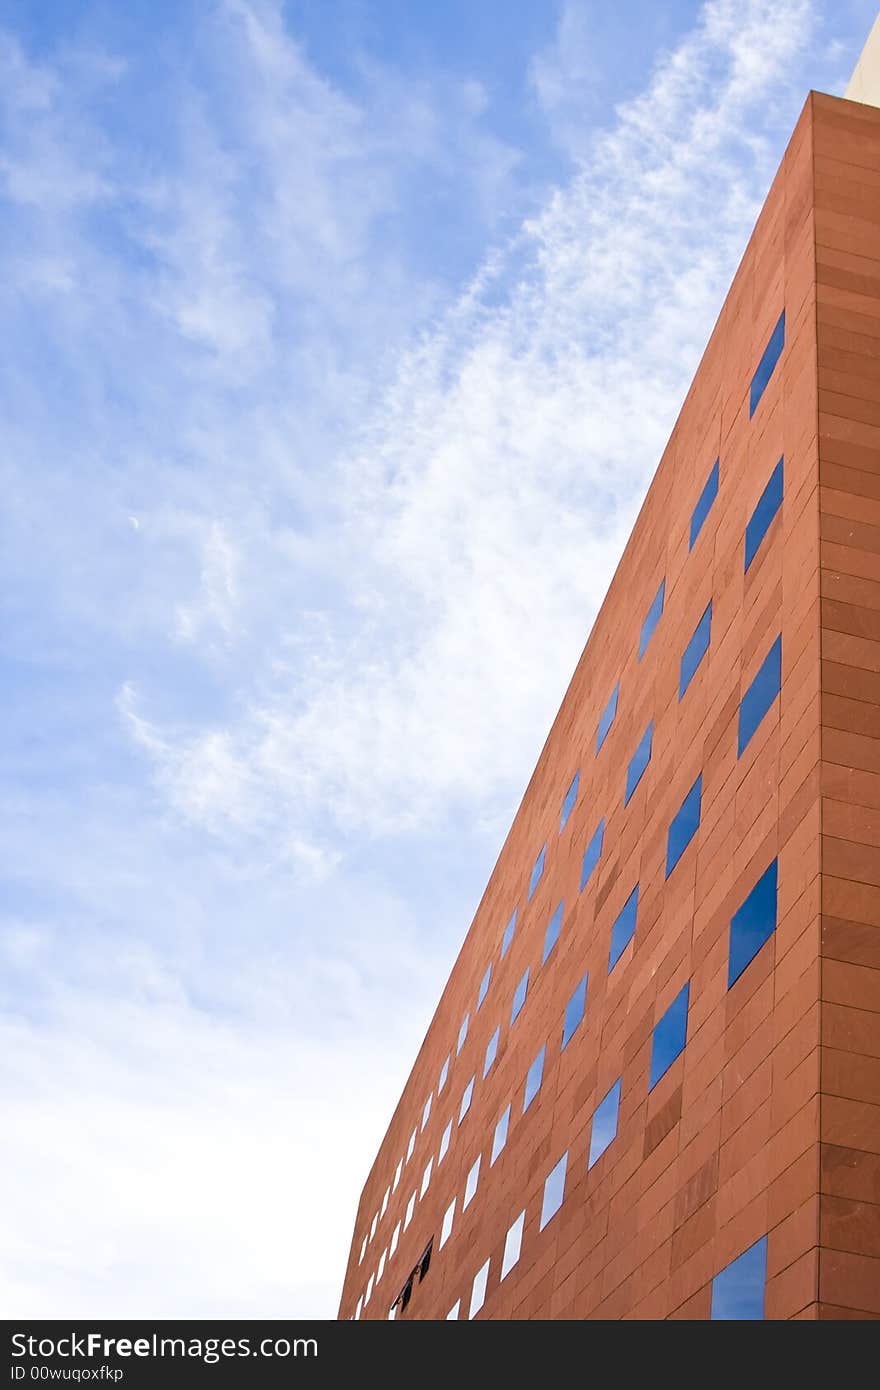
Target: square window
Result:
[[444, 1143], [446, 1228], [500, 1138], [604, 1129], [768, 505], [574, 1012], [760, 696], [513, 1244], [704, 504], [410, 1208], [395, 1237], [470, 1186], [652, 618], [533, 1079], [670, 1036], [426, 1177], [592, 854], [684, 825], [554, 1191], [640, 760], [569, 802], [552, 934], [455, 1311], [411, 1145], [764, 370], [695, 651], [397, 1172], [738, 1291], [444, 1072], [519, 997], [478, 1290], [491, 1051], [753, 923], [508, 935], [466, 1097], [537, 871], [462, 1033], [484, 986], [624, 927], [607, 719], [426, 1113]]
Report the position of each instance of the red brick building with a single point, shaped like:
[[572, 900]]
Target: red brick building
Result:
[[651, 1088]]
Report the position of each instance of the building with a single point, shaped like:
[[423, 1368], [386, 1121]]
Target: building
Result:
[[651, 1088]]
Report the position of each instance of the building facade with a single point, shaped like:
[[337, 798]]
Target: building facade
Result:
[[651, 1088]]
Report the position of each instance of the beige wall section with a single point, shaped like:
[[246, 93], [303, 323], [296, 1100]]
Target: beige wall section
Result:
[[864, 85]]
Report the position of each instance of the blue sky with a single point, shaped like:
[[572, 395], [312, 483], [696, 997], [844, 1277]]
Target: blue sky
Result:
[[341, 342]]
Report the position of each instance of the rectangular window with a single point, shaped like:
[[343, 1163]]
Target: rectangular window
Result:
[[574, 1012], [534, 1078], [519, 997], [569, 802], [607, 718], [444, 1143], [426, 1113], [426, 1177], [684, 825], [410, 1208], [652, 618], [551, 936], [508, 935], [491, 1051], [704, 504], [500, 1138], [395, 1237], [466, 1097], [554, 1191], [446, 1227], [513, 1244], [640, 760], [397, 1172], [738, 1291], [753, 923], [444, 1072], [537, 871], [470, 1186], [624, 928], [478, 1290], [768, 505], [670, 1036], [760, 696], [455, 1311], [604, 1129], [411, 1145], [462, 1033], [592, 854], [764, 370], [695, 651], [484, 986]]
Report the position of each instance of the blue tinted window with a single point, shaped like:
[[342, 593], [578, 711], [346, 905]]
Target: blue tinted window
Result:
[[444, 1072], [768, 505], [466, 1097], [684, 825], [760, 695], [738, 1291], [533, 1079], [623, 929], [519, 996], [574, 1011], [640, 759], [704, 505], [753, 923], [765, 367], [484, 986], [500, 1135], [604, 1123], [554, 1191], [552, 934], [670, 1036], [652, 618], [695, 651], [537, 871], [462, 1033], [491, 1050], [571, 797], [607, 718], [508, 935], [592, 854]]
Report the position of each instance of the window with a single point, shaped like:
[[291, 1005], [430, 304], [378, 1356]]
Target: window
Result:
[[373, 1225], [444, 1072], [652, 618], [368, 1295], [397, 1172], [695, 651], [764, 371], [385, 1200], [640, 760], [466, 1097], [670, 1036], [738, 1291], [478, 1291], [392, 1313], [446, 1228], [574, 1012], [444, 1143], [624, 928], [455, 1311], [484, 986], [513, 1244], [508, 935], [604, 1123], [554, 1191], [491, 1051], [519, 997], [760, 695], [462, 1033], [363, 1251], [411, 1145], [470, 1186], [395, 1237], [537, 871], [381, 1270], [357, 1311], [684, 825], [534, 1077], [427, 1111], [500, 1138], [607, 718], [552, 934], [704, 504], [753, 923], [592, 854], [410, 1208], [426, 1176], [768, 505], [569, 802]]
